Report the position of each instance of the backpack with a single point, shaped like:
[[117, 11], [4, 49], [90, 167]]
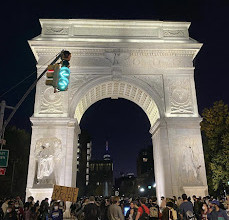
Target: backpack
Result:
[[144, 215], [190, 215], [153, 212]]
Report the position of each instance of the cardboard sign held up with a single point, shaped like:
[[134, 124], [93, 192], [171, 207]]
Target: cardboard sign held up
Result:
[[64, 193]]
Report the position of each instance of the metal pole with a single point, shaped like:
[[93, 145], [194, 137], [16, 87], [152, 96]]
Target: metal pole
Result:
[[25, 95], [12, 179], [3, 106]]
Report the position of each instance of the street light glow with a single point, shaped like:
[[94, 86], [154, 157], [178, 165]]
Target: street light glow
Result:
[[154, 185], [142, 189]]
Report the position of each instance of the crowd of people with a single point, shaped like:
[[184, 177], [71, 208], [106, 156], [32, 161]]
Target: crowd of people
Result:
[[115, 208]]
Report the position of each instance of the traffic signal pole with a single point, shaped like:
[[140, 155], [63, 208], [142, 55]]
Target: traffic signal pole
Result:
[[3, 125]]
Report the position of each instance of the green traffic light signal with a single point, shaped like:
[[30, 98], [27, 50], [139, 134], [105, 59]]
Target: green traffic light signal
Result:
[[63, 78]]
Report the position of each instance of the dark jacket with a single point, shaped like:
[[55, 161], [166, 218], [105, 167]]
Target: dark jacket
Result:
[[11, 216], [91, 211]]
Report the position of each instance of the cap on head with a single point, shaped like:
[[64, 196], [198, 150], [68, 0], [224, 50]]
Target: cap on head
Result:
[[215, 202]]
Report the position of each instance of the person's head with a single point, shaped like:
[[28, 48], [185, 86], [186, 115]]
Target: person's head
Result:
[[174, 198], [132, 205], [46, 199], [56, 205], [184, 197], [66, 55], [154, 199], [179, 198], [204, 207], [16, 204], [169, 205], [7, 200], [30, 199], [91, 198], [116, 200], [162, 198], [215, 204], [9, 209], [142, 200], [18, 198], [11, 203], [194, 197]]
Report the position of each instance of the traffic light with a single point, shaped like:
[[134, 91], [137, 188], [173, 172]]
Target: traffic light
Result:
[[59, 77], [52, 75], [63, 78], [64, 73]]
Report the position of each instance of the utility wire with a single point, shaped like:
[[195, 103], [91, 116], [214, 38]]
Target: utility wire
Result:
[[24, 79]]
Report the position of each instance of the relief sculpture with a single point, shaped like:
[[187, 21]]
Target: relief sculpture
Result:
[[51, 102], [47, 152], [180, 96], [190, 166]]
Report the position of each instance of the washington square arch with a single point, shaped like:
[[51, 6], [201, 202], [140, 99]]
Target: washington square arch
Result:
[[147, 62]]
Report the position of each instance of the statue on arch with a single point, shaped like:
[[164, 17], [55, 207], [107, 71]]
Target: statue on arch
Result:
[[48, 151]]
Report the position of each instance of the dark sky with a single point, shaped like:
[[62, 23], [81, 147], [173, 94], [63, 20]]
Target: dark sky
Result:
[[126, 131]]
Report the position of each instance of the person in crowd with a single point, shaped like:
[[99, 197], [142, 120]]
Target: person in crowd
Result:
[[216, 213], [18, 199], [104, 209], [80, 213], [168, 212], [44, 209], [186, 208], [31, 200], [91, 210], [197, 208], [204, 211], [56, 213], [10, 213], [154, 212], [132, 212], [163, 203], [34, 213], [5, 205], [19, 210], [143, 210], [179, 201], [27, 210], [115, 211]]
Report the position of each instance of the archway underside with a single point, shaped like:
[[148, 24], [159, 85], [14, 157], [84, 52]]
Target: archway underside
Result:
[[118, 89]]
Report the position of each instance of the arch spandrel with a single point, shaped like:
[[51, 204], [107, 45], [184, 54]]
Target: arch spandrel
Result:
[[116, 89]]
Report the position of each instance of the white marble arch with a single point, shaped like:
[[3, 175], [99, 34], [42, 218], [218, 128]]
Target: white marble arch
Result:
[[147, 62]]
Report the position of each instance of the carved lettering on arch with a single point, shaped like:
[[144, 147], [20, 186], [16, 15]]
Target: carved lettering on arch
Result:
[[180, 96]]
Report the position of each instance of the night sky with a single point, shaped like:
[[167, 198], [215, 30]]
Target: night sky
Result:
[[121, 122]]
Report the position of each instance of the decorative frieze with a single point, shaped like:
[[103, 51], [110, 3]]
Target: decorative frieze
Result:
[[50, 30]]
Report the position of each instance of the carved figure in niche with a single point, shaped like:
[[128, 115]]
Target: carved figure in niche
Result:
[[47, 152]]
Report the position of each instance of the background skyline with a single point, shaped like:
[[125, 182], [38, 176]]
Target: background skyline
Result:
[[209, 24]]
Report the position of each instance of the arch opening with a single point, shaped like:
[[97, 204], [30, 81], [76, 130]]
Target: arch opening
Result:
[[115, 90], [111, 121]]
